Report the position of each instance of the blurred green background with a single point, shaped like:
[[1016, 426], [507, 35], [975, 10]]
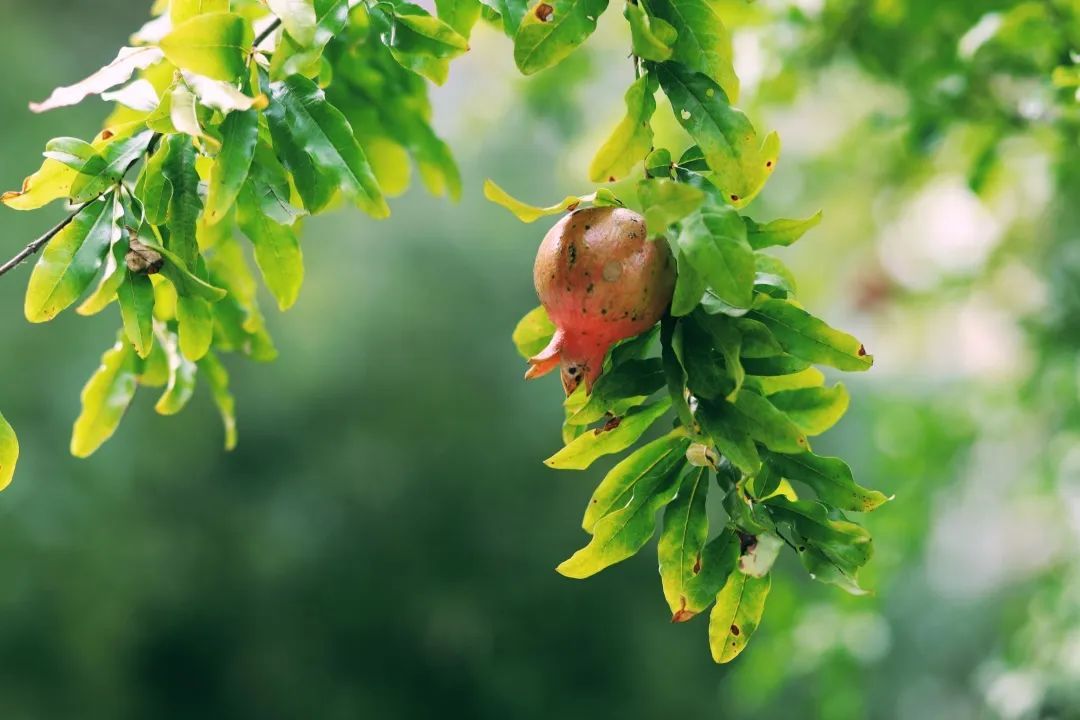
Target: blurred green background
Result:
[[382, 542]]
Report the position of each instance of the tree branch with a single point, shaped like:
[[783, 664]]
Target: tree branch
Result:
[[40, 242]]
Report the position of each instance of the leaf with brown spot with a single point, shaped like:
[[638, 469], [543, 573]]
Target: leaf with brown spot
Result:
[[737, 614]]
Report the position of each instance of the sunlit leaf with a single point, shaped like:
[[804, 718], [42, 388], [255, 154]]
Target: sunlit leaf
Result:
[[740, 161], [830, 478], [529, 213], [318, 147], [813, 409], [71, 260], [594, 444], [650, 37], [51, 182], [533, 332], [217, 377], [666, 201], [104, 399], [737, 614], [195, 326], [778, 232], [702, 41], [714, 242], [120, 70], [277, 251], [809, 338], [551, 31], [632, 138], [181, 10], [181, 384], [9, 452], [297, 17], [213, 44]]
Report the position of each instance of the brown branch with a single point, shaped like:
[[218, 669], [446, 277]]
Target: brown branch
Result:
[[40, 242]]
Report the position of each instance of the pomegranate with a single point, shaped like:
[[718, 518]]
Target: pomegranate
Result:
[[601, 280]]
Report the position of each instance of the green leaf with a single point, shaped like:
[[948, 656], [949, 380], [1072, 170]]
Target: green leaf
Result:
[[185, 203], [726, 429], [73, 152], [757, 341], [71, 260], [739, 160], [181, 10], [832, 550], [702, 41], [650, 38], [674, 374], [240, 131], [645, 464], [104, 399], [181, 378], [830, 478], [277, 251], [136, 294], [689, 286], [213, 44], [218, 378], [778, 232], [549, 32], [422, 43], [9, 452], [297, 17], [813, 409], [195, 326], [728, 340], [681, 546], [127, 62], [318, 147], [767, 425], [155, 368], [626, 385], [773, 277], [658, 163], [529, 213], [666, 201], [113, 273], [102, 171], [533, 332], [290, 57], [622, 513], [714, 242], [461, 15], [581, 453], [737, 614], [807, 337], [512, 12], [632, 139], [808, 378], [154, 189]]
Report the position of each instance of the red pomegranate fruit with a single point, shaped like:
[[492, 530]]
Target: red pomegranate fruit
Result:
[[601, 280]]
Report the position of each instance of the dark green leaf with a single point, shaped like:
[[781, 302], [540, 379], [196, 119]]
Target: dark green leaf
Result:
[[778, 232], [830, 478], [806, 337], [702, 42], [714, 241], [239, 132]]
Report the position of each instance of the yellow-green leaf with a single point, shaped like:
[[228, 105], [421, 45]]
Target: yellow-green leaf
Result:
[[218, 378], [552, 30], [530, 213], [651, 38], [809, 338], [702, 42], [813, 409], [666, 201], [181, 384], [104, 399], [737, 614], [594, 444], [632, 138], [533, 332], [71, 260], [212, 44], [9, 452]]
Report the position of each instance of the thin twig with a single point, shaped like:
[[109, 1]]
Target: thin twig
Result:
[[40, 242]]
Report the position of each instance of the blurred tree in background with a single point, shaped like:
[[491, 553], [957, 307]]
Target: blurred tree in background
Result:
[[381, 540]]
